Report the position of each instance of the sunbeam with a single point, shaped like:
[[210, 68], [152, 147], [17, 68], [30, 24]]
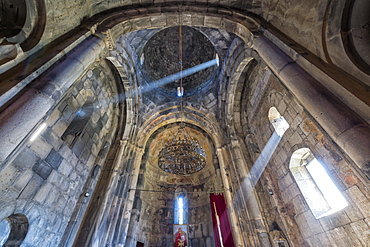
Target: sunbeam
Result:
[[178, 75], [264, 158], [169, 79]]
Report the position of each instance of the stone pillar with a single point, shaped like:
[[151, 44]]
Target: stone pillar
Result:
[[345, 127], [229, 199], [131, 197], [247, 194], [113, 210], [114, 203], [41, 95]]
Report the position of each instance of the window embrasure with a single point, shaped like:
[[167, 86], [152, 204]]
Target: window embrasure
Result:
[[278, 121], [319, 191]]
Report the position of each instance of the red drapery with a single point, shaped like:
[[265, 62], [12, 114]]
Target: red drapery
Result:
[[219, 214]]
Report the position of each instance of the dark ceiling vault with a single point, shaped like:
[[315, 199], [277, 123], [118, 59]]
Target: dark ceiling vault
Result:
[[161, 57]]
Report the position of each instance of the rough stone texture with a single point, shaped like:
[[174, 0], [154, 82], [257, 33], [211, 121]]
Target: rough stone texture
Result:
[[337, 229], [44, 172], [157, 209], [301, 20], [47, 180]]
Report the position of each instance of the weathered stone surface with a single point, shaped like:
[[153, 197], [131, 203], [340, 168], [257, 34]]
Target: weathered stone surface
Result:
[[32, 187], [54, 159], [25, 159], [49, 175], [13, 120], [42, 169]]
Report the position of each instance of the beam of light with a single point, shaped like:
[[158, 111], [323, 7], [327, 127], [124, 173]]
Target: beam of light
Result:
[[249, 182], [168, 79], [38, 132], [246, 190], [178, 75], [264, 158]]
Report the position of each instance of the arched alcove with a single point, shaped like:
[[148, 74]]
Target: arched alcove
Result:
[[158, 191], [22, 24]]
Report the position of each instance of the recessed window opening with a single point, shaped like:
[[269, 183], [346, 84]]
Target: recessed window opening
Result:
[[181, 210], [278, 121], [319, 191], [77, 127]]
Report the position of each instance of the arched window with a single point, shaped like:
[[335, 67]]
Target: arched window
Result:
[[77, 126], [278, 121], [181, 216], [180, 208], [319, 191]]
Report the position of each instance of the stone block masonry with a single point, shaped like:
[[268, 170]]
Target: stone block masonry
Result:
[[48, 174]]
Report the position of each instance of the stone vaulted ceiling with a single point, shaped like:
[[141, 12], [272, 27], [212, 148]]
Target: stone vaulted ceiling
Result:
[[157, 55], [161, 58]]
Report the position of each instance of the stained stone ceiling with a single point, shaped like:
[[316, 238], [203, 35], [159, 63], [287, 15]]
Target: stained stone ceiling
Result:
[[161, 58]]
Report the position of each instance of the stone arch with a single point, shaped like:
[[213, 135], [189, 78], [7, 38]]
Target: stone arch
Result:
[[34, 26], [172, 115], [107, 170], [238, 87], [129, 95], [152, 176], [13, 18], [14, 228], [4, 231], [124, 21]]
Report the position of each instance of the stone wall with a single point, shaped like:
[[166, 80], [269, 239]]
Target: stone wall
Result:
[[47, 179], [200, 224], [153, 215], [155, 223], [281, 199], [302, 20]]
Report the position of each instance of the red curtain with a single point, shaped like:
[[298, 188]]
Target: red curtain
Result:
[[219, 215]]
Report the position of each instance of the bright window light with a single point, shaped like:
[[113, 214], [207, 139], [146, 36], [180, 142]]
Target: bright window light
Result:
[[181, 210], [38, 132], [318, 189], [330, 192], [278, 121]]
